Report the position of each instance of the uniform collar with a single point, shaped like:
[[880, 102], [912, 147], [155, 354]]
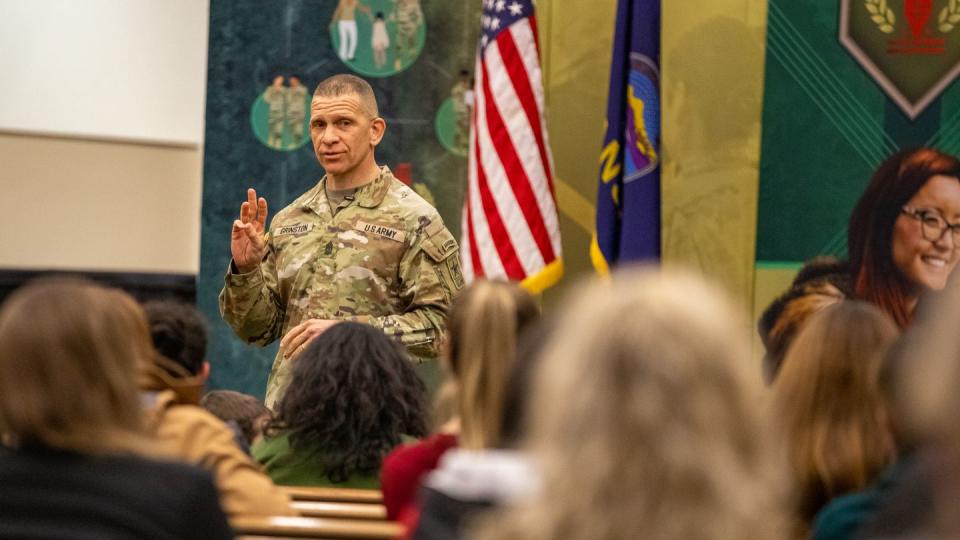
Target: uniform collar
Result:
[[368, 196]]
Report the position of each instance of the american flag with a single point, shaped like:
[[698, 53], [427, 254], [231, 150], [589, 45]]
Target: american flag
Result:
[[510, 225]]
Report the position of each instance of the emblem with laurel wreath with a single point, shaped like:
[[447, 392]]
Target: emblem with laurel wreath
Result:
[[882, 15], [949, 16]]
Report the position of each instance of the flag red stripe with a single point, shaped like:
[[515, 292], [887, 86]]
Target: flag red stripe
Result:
[[513, 168], [477, 264], [521, 83], [501, 238]]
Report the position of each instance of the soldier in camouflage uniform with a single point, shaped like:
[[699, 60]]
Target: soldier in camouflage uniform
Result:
[[409, 18], [296, 109], [275, 96], [360, 246]]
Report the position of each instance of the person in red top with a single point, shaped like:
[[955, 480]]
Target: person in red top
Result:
[[482, 327]]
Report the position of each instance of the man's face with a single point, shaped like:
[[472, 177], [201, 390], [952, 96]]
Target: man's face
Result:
[[343, 134]]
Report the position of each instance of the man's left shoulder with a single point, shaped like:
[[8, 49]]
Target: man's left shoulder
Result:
[[407, 205]]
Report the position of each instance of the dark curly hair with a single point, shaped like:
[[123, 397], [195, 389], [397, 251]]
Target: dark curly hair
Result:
[[353, 394]]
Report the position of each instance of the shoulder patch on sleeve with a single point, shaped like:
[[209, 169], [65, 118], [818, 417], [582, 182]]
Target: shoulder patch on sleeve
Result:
[[438, 243]]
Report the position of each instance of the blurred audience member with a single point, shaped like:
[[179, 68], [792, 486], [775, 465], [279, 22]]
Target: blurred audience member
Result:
[[246, 412], [820, 283], [354, 395], [828, 406], [924, 484], [468, 483], [482, 329], [172, 386], [645, 422], [70, 413]]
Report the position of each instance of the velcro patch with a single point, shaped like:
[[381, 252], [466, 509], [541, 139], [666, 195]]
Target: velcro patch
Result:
[[379, 230], [297, 229]]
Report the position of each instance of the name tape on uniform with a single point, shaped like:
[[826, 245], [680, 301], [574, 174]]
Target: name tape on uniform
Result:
[[298, 229]]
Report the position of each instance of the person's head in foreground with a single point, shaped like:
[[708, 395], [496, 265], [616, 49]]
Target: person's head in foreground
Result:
[[482, 331], [829, 408], [354, 393], [179, 335], [249, 413], [70, 415], [645, 422], [903, 232], [72, 352]]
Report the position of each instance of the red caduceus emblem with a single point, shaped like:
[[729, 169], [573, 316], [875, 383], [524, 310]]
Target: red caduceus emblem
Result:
[[917, 13]]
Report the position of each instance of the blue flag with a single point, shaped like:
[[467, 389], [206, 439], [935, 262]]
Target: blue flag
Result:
[[628, 196]]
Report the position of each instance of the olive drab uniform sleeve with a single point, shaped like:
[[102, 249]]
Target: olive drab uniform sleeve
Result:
[[250, 303], [429, 277]]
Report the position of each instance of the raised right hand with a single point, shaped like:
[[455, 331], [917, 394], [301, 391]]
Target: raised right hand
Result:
[[247, 244]]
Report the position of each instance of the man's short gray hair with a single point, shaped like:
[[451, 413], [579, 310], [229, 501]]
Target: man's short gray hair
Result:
[[344, 83]]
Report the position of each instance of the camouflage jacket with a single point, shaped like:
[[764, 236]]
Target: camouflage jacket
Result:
[[385, 259]]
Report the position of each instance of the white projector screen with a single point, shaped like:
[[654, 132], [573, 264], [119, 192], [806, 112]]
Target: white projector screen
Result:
[[111, 69]]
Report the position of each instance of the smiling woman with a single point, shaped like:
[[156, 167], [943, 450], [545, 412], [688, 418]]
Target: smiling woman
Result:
[[902, 241], [897, 239]]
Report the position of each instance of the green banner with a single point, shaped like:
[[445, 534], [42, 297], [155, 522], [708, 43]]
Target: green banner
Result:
[[847, 84]]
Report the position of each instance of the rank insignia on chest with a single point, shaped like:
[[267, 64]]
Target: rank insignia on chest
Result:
[[381, 231]]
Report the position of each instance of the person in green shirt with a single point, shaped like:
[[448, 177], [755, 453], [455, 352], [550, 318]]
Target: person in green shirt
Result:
[[354, 395]]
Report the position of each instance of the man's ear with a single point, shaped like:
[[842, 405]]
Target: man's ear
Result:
[[205, 371], [377, 128]]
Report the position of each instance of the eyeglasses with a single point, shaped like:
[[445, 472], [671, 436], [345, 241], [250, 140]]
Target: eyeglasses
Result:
[[932, 226]]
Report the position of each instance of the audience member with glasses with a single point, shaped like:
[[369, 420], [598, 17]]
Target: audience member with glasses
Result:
[[898, 249], [897, 239]]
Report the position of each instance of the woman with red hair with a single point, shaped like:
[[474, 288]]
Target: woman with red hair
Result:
[[902, 242], [905, 230]]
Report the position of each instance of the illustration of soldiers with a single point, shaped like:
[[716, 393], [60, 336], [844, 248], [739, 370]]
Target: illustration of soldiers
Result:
[[409, 18], [296, 110], [461, 109], [275, 97], [379, 40]]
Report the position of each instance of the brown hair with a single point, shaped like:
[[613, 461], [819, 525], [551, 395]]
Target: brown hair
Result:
[[247, 411], [828, 404], [484, 322], [876, 278], [645, 420], [68, 365]]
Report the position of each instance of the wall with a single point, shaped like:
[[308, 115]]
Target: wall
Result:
[[101, 132], [96, 205]]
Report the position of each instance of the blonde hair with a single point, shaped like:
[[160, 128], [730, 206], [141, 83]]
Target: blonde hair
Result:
[[71, 351], [483, 325], [828, 404], [645, 420]]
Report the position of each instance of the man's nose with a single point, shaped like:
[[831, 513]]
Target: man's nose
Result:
[[329, 135]]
